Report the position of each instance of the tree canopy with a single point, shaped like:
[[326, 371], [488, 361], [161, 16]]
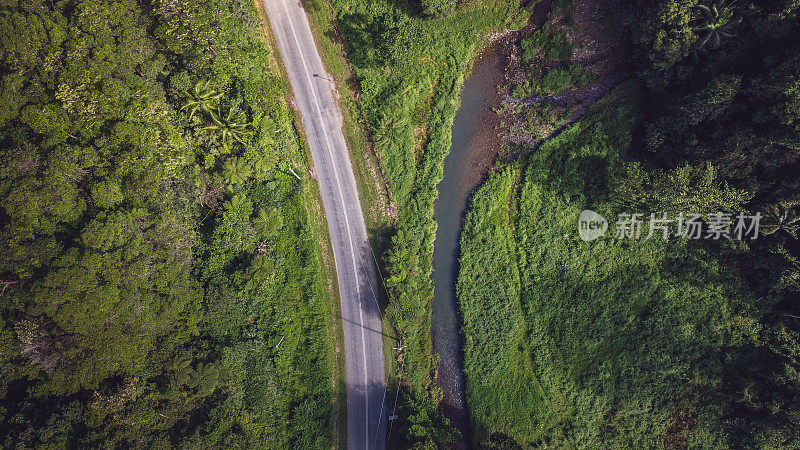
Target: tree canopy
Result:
[[154, 252]]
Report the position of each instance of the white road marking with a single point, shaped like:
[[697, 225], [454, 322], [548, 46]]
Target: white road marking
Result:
[[347, 222]]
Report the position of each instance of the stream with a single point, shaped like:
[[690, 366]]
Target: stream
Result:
[[474, 146]]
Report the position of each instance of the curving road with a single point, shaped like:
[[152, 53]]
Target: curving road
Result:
[[366, 415]]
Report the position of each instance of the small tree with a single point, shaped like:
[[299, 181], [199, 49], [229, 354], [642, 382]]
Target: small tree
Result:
[[203, 99], [236, 171], [781, 218], [714, 22]]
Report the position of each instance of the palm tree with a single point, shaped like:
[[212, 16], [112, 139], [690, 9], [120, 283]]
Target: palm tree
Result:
[[780, 218], [714, 22], [203, 99], [232, 125]]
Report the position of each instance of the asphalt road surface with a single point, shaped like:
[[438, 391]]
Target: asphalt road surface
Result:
[[366, 412]]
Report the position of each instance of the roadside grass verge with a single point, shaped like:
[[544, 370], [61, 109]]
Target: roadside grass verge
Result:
[[328, 282], [373, 191]]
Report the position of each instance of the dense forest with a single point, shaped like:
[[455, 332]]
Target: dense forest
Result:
[[650, 343], [162, 281]]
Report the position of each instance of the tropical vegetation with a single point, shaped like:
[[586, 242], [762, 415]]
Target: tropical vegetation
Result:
[[162, 277], [648, 343]]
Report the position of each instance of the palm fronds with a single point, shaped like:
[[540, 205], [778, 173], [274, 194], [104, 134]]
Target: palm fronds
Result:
[[233, 125], [778, 218], [206, 101], [203, 99], [714, 22]]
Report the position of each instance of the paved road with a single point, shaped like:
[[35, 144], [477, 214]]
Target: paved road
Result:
[[366, 415]]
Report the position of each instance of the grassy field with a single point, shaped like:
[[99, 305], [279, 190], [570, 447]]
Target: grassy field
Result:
[[643, 343], [577, 344]]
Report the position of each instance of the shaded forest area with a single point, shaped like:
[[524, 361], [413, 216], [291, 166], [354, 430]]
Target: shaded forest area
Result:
[[162, 275], [649, 343]]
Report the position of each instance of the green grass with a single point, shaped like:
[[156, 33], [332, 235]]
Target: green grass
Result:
[[608, 343], [648, 343], [553, 44]]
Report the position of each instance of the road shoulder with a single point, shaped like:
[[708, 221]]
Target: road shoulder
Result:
[[316, 212], [373, 189]]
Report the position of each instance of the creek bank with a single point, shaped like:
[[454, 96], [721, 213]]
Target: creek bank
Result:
[[475, 145]]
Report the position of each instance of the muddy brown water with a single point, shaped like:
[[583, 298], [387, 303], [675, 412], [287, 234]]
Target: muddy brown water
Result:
[[474, 146]]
